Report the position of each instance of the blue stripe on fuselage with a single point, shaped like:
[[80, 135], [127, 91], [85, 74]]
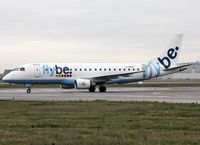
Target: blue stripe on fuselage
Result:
[[67, 82], [70, 82]]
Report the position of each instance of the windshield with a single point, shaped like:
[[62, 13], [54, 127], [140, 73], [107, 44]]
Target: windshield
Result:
[[16, 69], [22, 69], [19, 69]]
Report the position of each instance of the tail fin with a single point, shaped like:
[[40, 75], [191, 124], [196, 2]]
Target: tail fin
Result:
[[169, 56]]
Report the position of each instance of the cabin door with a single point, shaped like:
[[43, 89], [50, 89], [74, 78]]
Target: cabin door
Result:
[[36, 70]]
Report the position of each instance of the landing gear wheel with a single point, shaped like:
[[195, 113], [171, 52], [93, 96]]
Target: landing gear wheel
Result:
[[92, 89], [102, 89], [28, 90]]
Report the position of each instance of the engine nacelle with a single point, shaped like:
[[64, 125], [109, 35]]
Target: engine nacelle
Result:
[[66, 86], [83, 84]]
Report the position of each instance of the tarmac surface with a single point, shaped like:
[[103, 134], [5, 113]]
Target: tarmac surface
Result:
[[161, 94]]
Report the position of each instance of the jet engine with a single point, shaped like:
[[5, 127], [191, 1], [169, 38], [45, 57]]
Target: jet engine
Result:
[[83, 84]]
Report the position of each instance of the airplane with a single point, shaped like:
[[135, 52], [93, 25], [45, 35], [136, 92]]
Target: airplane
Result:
[[90, 75]]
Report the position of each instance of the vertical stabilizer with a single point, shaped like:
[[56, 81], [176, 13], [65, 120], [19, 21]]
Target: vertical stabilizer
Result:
[[170, 54]]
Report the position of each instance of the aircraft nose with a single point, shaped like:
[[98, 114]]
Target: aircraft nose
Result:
[[5, 78]]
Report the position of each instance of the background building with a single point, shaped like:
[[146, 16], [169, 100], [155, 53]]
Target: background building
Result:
[[6, 71], [1, 76]]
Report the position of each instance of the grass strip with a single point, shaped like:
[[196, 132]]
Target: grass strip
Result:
[[99, 123]]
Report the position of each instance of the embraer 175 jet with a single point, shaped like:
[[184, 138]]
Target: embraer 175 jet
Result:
[[90, 75]]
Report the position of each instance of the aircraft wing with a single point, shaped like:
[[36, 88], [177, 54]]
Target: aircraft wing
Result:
[[114, 76]]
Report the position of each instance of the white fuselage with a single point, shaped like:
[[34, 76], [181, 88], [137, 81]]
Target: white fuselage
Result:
[[42, 73]]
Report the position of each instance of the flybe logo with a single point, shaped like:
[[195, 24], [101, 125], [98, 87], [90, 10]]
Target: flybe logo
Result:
[[171, 54], [58, 71]]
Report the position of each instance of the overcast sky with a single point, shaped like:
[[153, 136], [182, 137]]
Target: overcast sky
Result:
[[95, 30]]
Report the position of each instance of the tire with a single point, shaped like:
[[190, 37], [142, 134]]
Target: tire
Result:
[[102, 89], [92, 89], [28, 91]]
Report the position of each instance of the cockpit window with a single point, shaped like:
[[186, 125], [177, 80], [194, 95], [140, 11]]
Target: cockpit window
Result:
[[16, 69], [19, 69], [22, 69]]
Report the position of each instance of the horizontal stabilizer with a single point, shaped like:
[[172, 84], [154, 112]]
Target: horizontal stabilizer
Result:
[[182, 67]]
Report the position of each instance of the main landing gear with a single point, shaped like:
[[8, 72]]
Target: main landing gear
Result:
[[92, 89], [101, 89]]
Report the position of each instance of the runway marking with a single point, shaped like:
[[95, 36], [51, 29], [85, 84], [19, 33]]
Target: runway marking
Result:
[[167, 93]]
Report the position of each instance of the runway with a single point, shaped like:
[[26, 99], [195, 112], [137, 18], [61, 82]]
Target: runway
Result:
[[172, 95]]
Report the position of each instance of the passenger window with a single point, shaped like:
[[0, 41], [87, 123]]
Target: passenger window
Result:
[[100, 69], [85, 69], [119, 69], [95, 69], [75, 69], [80, 69], [104, 69], [114, 69], [90, 69], [109, 69], [124, 69]]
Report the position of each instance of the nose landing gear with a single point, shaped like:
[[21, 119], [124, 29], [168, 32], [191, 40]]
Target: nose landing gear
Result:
[[28, 91]]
